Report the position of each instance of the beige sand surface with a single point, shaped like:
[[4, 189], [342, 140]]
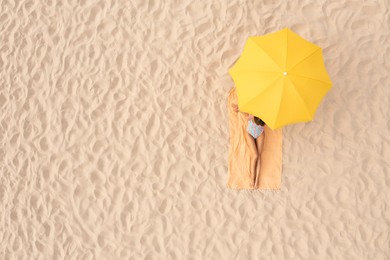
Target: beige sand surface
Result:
[[114, 133]]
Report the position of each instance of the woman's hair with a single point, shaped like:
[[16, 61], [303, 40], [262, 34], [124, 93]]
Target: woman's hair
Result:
[[258, 121]]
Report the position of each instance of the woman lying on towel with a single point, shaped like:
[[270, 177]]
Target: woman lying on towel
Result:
[[255, 129], [246, 153]]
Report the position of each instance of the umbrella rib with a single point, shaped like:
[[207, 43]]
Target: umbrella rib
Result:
[[266, 88], [285, 62], [280, 104], [326, 82], [267, 54], [308, 56], [302, 99], [304, 102], [249, 70]]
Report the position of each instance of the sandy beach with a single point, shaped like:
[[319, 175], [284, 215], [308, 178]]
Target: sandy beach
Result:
[[114, 133]]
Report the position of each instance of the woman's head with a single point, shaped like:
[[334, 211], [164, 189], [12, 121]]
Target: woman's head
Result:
[[258, 121]]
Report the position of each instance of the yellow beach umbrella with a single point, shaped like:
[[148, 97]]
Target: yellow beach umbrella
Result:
[[281, 78]]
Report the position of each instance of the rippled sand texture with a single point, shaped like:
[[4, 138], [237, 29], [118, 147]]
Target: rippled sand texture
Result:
[[114, 133]]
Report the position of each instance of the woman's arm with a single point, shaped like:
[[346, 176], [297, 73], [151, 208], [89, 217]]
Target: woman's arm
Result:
[[236, 109]]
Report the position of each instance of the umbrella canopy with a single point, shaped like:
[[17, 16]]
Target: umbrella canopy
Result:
[[281, 78]]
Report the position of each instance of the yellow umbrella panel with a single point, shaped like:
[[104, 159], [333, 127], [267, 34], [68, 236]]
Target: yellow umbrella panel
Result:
[[280, 78]]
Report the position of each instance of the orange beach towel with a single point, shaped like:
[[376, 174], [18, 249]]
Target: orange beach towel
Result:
[[243, 155]]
